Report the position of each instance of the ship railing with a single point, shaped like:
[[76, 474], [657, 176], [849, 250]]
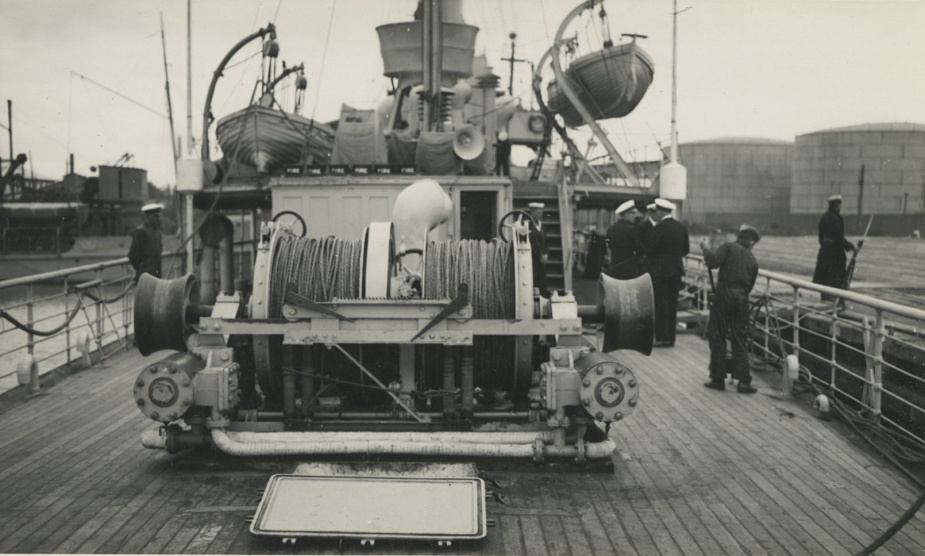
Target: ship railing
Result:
[[78, 316], [65, 318], [866, 353]]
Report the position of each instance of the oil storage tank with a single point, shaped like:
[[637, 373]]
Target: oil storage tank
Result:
[[737, 179], [877, 168]]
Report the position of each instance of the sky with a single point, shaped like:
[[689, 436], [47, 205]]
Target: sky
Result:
[[87, 76]]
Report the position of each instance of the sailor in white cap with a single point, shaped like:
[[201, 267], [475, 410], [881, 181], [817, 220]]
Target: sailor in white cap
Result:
[[145, 252], [152, 207], [833, 248], [538, 246], [738, 271], [664, 204], [624, 244], [667, 248]]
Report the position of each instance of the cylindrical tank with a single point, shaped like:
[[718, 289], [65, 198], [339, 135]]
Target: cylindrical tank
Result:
[[829, 162], [733, 180]]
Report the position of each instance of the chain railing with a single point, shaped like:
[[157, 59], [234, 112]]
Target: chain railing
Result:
[[866, 353], [77, 315]]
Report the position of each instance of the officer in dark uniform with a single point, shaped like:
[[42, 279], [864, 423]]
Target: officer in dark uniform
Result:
[[145, 252], [645, 224], [669, 243], [538, 246], [625, 244], [738, 270], [832, 257], [503, 154]]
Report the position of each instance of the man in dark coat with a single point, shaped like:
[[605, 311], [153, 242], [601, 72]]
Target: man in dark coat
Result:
[[669, 243], [645, 223], [145, 252], [832, 257], [503, 154], [538, 248], [625, 244], [738, 270]]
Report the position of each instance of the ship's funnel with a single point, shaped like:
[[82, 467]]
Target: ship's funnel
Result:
[[400, 44]]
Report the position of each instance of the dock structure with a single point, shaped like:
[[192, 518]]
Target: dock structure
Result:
[[696, 471]]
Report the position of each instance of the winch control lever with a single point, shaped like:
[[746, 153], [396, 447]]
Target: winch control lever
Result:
[[462, 299], [294, 298]]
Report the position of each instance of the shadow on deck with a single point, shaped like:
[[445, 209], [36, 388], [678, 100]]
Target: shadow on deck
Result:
[[696, 472]]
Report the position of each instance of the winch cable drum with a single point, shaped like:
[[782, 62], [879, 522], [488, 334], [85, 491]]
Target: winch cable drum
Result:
[[329, 268], [488, 269], [320, 270]]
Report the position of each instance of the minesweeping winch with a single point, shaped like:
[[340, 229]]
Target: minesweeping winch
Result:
[[392, 343]]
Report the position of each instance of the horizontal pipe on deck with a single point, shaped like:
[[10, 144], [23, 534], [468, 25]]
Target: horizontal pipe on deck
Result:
[[519, 437], [380, 443], [382, 415]]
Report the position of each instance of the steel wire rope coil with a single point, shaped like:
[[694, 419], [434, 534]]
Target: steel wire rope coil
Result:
[[488, 270], [320, 270]]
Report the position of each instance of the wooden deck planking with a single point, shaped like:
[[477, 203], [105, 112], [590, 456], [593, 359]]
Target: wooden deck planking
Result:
[[77, 510], [721, 416], [745, 523], [76, 490], [774, 496], [75, 479]]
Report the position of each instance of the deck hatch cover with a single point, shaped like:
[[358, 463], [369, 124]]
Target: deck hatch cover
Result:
[[371, 507]]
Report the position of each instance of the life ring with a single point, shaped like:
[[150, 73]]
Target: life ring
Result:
[[536, 123]]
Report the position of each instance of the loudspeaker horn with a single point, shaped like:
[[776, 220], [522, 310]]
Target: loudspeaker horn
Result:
[[468, 143]]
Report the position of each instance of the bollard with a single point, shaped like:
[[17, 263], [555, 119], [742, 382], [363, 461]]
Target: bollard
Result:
[[791, 372], [83, 346], [27, 372], [821, 404]]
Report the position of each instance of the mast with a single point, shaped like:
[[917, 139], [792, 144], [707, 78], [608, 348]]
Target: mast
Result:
[[674, 82], [672, 180], [173, 144], [9, 120], [188, 216], [510, 82], [189, 78]]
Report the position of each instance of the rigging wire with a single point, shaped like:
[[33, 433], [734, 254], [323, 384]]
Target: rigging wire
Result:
[[276, 13], [324, 57]]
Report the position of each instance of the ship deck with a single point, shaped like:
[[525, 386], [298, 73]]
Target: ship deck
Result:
[[696, 472]]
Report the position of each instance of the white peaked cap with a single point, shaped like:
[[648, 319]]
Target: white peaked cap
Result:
[[536, 205], [650, 206], [664, 204], [625, 207], [834, 198], [151, 207]]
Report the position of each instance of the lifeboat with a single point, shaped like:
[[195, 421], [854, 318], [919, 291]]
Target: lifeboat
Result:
[[609, 82], [269, 139]]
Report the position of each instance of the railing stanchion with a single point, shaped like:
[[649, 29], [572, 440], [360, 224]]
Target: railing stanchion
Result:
[[126, 306], [796, 336], [30, 342], [67, 329], [878, 365], [833, 358]]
